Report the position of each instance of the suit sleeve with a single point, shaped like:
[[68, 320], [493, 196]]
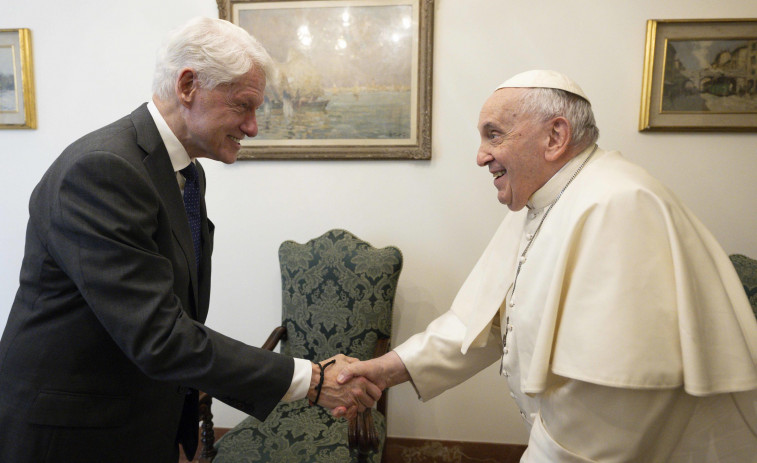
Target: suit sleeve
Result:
[[103, 229]]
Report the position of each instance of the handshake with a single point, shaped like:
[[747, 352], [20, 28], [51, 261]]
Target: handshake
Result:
[[346, 386]]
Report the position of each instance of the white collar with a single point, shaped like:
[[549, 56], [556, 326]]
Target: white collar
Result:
[[548, 192], [176, 151]]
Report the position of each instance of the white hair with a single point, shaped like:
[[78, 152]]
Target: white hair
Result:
[[547, 103], [217, 50]]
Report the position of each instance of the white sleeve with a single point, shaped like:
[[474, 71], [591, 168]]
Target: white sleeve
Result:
[[434, 360], [300, 381]]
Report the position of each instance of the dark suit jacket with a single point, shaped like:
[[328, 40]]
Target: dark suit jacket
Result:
[[105, 335]]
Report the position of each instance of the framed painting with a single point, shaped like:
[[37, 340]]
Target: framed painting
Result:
[[700, 75], [351, 78], [17, 106]]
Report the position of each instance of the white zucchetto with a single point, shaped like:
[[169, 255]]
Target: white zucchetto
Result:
[[544, 79]]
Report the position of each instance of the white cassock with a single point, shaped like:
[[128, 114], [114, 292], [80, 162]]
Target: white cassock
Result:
[[629, 337]]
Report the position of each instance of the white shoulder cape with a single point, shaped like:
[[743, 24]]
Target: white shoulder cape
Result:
[[632, 291]]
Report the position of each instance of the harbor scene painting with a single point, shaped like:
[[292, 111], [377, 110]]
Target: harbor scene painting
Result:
[[8, 93], [343, 73]]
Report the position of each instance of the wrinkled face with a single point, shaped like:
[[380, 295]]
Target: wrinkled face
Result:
[[512, 147], [216, 120]]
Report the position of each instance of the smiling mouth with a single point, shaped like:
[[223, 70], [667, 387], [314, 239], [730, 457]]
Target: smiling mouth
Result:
[[235, 139], [499, 174]]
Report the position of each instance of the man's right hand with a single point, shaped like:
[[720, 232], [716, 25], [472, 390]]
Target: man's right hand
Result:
[[383, 372], [348, 397]]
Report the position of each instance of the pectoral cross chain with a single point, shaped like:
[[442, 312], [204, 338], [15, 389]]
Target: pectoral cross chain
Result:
[[504, 344]]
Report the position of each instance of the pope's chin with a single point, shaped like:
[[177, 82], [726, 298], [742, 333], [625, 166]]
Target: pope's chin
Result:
[[507, 199]]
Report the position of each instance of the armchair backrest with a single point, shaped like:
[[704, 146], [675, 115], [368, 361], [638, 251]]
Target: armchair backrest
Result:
[[746, 268], [337, 295]]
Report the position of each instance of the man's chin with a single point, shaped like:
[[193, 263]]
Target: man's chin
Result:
[[226, 157], [230, 160]]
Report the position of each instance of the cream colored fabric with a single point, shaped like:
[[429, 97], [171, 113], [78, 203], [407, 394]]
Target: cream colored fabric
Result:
[[628, 271], [434, 360], [650, 426], [623, 288]]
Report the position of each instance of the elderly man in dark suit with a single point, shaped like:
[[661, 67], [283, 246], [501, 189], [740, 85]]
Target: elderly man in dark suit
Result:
[[105, 346]]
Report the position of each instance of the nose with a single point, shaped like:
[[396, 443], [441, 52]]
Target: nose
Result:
[[250, 125], [483, 157]]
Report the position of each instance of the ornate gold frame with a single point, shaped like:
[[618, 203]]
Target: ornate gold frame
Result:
[[417, 146], [24, 115], [653, 114]]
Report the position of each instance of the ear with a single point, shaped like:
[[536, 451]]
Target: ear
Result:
[[186, 87], [560, 134]]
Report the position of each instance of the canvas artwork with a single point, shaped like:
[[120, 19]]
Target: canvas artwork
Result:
[[717, 76], [344, 74], [17, 107], [350, 78], [8, 86], [700, 74]]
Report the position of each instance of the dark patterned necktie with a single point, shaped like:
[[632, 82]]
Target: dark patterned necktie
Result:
[[192, 205]]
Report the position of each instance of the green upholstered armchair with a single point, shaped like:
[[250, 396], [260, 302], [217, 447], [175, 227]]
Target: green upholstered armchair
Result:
[[337, 296], [746, 268]]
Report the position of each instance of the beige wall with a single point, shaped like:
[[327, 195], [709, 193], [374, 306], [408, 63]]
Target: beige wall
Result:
[[93, 63]]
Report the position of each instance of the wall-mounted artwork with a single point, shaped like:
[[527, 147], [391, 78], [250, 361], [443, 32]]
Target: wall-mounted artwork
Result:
[[700, 75], [17, 106], [351, 78]]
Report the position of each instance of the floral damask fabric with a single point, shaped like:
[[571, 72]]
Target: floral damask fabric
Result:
[[747, 271], [337, 296], [293, 433]]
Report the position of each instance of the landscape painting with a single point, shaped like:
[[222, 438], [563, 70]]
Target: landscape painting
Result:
[[700, 75], [348, 78], [710, 76]]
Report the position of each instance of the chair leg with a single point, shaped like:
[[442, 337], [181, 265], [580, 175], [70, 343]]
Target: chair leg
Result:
[[208, 437], [362, 435]]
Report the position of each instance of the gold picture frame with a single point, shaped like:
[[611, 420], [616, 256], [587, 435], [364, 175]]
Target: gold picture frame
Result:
[[17, 104], [352, 78], [700, 75]]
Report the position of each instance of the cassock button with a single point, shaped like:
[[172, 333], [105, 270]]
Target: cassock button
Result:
[[522, 259], [509, 327], [506, 373], [512, 394], [512, 303], [506, 350], [529, 236]]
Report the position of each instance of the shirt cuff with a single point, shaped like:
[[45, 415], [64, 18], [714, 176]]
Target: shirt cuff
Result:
[[300, 381]]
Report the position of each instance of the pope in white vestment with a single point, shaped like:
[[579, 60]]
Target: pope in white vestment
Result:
[[621, 326]]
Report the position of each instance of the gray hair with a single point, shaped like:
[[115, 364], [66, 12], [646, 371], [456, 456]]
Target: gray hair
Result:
[[547, 103], [217, 50]]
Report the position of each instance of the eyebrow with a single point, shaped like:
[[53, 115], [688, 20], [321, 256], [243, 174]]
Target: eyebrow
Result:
[[490, 126]]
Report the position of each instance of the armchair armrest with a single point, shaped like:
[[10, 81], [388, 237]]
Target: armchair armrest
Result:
[[276, 335]]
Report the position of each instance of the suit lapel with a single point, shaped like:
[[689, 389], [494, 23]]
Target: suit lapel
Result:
[[158, 164]]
